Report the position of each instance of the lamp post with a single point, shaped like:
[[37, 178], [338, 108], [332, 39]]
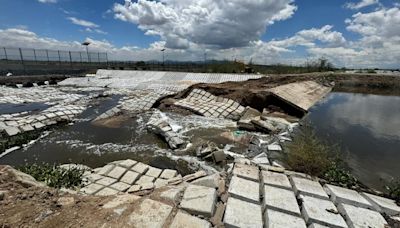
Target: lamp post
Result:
[[87, 43]]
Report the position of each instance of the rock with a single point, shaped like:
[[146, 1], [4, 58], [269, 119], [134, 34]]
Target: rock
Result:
[[183, 220], [245, 190], [216, 220], [176, 180], [211, 181], [273, 147], [150, 214], [219, 156], [238, 212], [25, 179], [263, 125], [2, 194], [199, 200], [245, 121], [65, 201]]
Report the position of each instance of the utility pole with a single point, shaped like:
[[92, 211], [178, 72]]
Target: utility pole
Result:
[[163, 58]]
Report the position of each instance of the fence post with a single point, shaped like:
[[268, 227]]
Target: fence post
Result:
[[5, 53], [47, 54], [34, 54], [70, 59], [22, 60], [98, 57], [59, 57], [80, 54]]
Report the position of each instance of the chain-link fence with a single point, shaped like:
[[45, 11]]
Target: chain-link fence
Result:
[[24, 54]]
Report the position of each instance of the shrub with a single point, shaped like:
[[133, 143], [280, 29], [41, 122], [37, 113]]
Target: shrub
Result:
[[337, 174], [54, 175], [393, 190]]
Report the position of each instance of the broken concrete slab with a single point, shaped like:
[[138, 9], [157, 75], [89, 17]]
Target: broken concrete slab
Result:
[[199, 200], [275, 179], [244, 189], [381, 204], [240, 213], [308, 187], [263, 125], [276, 219], [246, 171], [168, 174], [183, 220], [158, 183], [261, 159], [282, 200], [150, 214], [172, 193], [211, 181], [347, 196], [357, 217], [321, 211]]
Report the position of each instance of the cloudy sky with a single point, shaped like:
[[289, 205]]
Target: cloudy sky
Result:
[[351, 33]]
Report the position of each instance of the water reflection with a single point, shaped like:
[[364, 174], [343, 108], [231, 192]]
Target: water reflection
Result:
[[368, 128]]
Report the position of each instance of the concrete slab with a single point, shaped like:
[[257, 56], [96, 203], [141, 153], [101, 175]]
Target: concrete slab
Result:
[[276, 219], [321, 211], [244, 190], [240, 213], [208, 181], [107, 192], [276, 179], [279, 199], [168, 174], [150, 214], [261, 159], [120, 186], [172, 194], [130, 177], [381, 204], [117, 172], [134, 188], [153, 172], [246, 171], [308, 187], [127, 163], [347, 196], [106, 181], [12, 131], [183, 220], [105, 169], [140, 168], [91, 189], [357, 217], [145, 179], [199, 200], [301, 94], [158, 183]]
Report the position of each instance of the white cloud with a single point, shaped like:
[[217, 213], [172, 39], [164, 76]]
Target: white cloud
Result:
[[47, 1], [361, 4], [83, 23], [99, 31], [214, 24]]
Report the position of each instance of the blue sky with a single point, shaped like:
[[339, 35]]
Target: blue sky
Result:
[[120, 28]]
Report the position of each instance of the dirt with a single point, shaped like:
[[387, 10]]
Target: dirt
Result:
[[112, 122]]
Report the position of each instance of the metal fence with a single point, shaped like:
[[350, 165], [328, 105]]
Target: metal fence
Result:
[[24, 54]]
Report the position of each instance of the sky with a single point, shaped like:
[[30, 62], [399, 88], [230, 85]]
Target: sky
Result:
[[350, 33]]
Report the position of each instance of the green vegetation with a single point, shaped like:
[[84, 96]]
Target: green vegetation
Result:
[[393, 190], [308, 154], [54, 175]]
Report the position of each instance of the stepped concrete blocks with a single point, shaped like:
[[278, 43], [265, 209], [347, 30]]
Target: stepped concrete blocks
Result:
[[130, 177], [381, 204], [347, 196], [183, 220], [199, 200], [357, 217], [244, 190], [168, 174], [150, 214], [246, 171], [276, 219], [140, 168], [240, 213], [321, 211], [117, 172], [308, 187], [153, 172], [276, 179], [280, 200]]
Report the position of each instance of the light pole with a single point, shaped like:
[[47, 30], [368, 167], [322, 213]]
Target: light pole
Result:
[[87, 43]]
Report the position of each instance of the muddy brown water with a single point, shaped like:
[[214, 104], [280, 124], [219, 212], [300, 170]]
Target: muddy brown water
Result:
[[367, 129]]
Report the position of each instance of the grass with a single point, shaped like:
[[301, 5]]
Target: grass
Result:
[[310, 155], [55, 176]]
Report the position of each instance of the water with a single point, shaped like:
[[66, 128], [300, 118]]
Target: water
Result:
[[29, 107], [367, 129]]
